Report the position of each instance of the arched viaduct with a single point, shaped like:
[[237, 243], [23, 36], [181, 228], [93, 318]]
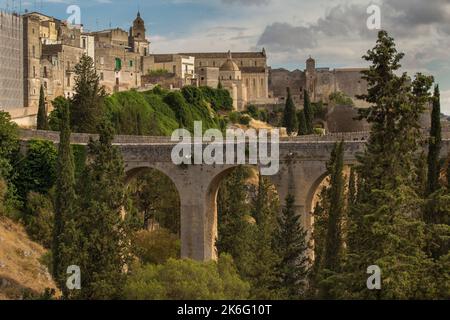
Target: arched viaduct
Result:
[[302, 169]]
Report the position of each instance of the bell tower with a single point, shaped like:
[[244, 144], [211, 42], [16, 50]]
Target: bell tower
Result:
[[137, 37], [138, 28]]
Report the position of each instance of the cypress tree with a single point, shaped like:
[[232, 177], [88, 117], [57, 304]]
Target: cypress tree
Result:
[[105, 237], [385, 227], [292, 248], [65, 245], [87, 102], [435, 142], [308, 112], [42, 120], [290, 121], [352, 192], [262, 273], [302, 129], [334, 238], [235, 229]]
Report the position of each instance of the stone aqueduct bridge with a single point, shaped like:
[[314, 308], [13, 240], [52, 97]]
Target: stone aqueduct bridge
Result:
[[302, 169]]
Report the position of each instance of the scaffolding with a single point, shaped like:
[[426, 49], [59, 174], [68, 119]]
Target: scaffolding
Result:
[[11, 61]]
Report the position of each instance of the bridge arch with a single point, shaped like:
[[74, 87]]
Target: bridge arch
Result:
[[211, 212], [148, 187]]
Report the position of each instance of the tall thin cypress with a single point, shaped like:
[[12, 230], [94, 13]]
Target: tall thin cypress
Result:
[[64, 238], [308, 112], [334, 241], [42, 120], [434, 148], [290, 121]]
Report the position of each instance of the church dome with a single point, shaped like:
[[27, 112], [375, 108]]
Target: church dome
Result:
[[229, 65]]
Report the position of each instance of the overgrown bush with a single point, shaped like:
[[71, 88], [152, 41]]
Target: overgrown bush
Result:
[[159, 112], [187, 280], [220, 99], [341, 99], [245, 120], [39, 218], [37, 170], [156, 247]]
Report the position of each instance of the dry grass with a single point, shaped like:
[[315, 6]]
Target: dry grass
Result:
[[20, 267]]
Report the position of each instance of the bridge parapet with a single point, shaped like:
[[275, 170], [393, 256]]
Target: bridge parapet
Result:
[[82, 138]]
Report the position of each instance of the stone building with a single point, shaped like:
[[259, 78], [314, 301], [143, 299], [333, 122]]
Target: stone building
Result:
[[320, 83], [230, 76], [137, 37], [252, 65], [11, 64], [180, 67]]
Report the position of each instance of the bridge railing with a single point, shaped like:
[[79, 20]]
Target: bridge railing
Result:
[[82, 138]]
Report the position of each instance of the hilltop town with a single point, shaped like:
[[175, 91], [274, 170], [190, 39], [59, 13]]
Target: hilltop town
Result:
[[41, 50]]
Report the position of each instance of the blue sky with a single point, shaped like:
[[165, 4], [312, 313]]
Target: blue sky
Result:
[[332, 31]]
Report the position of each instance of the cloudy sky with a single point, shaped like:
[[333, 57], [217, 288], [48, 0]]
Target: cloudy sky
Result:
[[332, 31]]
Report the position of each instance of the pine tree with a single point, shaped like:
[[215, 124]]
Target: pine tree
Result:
[[434, 149], [385, 227], [42, 120], [87, 102], [290, 121], [105, 239], [236, 231], [64, 248], [262, 274], [291, 245], [308, 112]]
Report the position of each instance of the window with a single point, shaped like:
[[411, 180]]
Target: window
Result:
[[214, 63], [45, 72], [102, 60], [45, 85], [256, 63], [118, 64], [34, 52], [174, 69], [102, 76], [68, 81], [131, 63], [84, 43], [200, 64]]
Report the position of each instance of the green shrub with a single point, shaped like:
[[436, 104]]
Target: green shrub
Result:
[[234, 117], [340, 98], [158, 112], [39, 218], [245, 120], [37, 170], [156, 247], [187, 280], [220, 99]]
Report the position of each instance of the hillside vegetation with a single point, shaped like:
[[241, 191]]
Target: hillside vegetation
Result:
[[159, 112], [22, 270]]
